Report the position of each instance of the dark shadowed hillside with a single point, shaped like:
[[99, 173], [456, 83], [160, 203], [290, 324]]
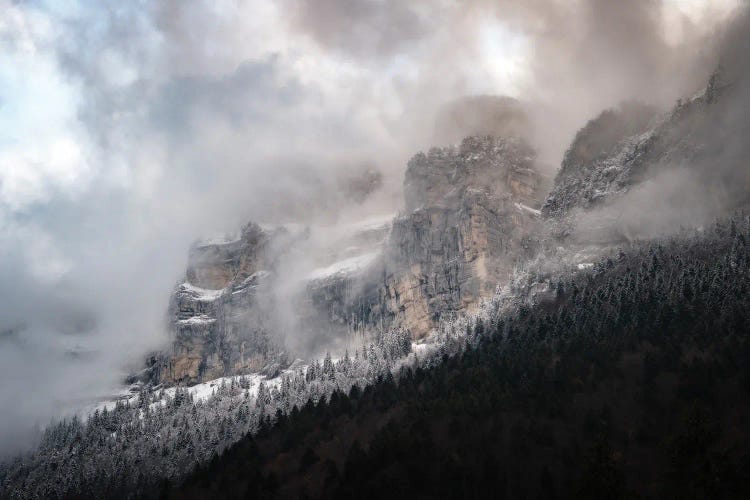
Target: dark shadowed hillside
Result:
[[631, 380]]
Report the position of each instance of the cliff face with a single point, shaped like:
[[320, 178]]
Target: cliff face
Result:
[[213, 264], [218, 317], [623, 148], [246, 301], [468, 211], [472, 212]]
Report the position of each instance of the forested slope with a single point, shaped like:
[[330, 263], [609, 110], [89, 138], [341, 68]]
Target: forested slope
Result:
[[630, 380]]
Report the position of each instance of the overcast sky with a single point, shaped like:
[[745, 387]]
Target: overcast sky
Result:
[[128, 128]]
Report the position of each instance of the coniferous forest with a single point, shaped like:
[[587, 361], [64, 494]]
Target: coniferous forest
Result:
[[628, 381]]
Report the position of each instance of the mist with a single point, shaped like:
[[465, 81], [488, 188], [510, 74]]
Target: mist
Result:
[[127, 130]]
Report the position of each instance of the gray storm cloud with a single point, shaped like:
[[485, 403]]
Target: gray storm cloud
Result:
[[360, 27], [582, 56], [198, 116]]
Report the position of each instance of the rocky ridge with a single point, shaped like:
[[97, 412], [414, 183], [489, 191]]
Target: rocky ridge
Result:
[[472, 212], [469, 209], [622, 148], [468, 212], [228, 316]]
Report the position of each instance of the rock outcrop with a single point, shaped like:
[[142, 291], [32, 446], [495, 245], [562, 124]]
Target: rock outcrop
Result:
[[213, 264], [584, 165], [469, 211], [623, 148], [217, 317], [242, 295], [246, 299]]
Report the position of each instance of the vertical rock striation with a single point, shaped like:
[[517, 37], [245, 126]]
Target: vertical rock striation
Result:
[[469, 211], [219, 317]]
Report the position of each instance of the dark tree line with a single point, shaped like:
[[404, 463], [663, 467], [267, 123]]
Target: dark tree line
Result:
[[158, 436], [630, 380]]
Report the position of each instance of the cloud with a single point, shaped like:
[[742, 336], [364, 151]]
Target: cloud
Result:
[[361, 28], [127, 129]]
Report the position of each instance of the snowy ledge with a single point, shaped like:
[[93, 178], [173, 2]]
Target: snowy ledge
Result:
[[197, 320], [528, 209], [201, 293], [343, 267]]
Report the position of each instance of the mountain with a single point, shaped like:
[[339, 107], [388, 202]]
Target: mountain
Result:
[[621, 149], [472, 213], [630, 381], [468, 212], [593, 343]]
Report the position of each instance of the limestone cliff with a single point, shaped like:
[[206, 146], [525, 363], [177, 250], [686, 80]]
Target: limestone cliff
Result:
[[468, 212], [213, 264], [248, 299], [471, 213], [219, 317]]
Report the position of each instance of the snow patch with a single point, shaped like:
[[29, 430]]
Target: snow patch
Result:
[[226, 239], [528, 209], [373, 223], [346, 266], [200, 392], [197, 320], [201, 293]]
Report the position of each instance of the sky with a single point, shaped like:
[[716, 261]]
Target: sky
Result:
[[129, 129]]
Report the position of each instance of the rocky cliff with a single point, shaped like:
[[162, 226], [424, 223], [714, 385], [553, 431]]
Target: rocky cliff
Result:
[[468, 212], [246, 300], [471, 213], [249, 299], [624, 148], [218, 318]]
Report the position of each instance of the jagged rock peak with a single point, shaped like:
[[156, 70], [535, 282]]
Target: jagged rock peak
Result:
[[594, 154], [600, 136], [492, 164], [215, 263], [621, 149]]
